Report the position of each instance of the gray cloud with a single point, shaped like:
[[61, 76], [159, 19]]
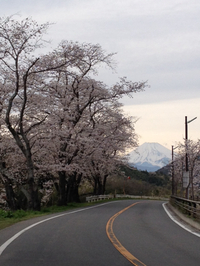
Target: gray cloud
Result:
[[155, 40]]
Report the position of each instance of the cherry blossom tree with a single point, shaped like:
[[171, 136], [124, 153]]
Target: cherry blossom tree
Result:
[[193, 157], [117, 134], [21, 81], [77, 99], [23, 78], [56, 116]]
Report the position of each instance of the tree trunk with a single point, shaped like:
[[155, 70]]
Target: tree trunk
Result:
[[100, 187], [62, 190], [34, 203], [10, 197], [104, 184], [72, 188], [95, 187]]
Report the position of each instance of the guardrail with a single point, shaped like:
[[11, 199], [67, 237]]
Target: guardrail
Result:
[[103, 197], [98, 197], [186, 206]]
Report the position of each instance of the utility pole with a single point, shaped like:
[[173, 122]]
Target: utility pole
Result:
[[186, 138], [173, 171], [186, 155], [186, 158], [173, 181]]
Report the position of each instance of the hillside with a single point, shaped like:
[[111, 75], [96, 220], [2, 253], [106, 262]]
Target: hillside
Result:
[[158, 179], [134, 182]]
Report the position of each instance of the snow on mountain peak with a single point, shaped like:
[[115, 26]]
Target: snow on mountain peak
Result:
[[150, 154]]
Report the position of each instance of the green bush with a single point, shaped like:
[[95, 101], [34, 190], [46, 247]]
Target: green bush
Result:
[[19, 214], [6, 214]]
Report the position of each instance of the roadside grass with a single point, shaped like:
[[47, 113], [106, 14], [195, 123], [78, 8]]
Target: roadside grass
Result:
[[8, 218]]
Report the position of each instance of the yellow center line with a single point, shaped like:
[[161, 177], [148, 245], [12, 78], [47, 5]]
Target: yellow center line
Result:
[[115, 241]]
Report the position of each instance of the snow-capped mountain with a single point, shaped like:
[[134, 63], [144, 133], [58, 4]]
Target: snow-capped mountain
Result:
[[150, 157]]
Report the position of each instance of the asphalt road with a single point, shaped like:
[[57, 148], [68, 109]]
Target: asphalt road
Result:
[[80, 238]]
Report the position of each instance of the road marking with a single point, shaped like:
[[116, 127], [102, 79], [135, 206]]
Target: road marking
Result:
[[180, 224], [115, 241], [9, 241]]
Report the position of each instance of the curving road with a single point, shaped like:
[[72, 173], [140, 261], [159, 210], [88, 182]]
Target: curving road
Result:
[[114, 233]]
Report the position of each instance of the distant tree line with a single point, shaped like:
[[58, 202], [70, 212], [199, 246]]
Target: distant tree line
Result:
[[139, 183]]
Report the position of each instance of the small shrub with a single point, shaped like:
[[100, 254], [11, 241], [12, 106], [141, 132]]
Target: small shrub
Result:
[[19, 214], [6, 214]]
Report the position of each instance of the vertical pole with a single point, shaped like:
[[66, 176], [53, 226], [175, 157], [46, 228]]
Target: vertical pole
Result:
[[186, 155], [172, 170], [186, 138]]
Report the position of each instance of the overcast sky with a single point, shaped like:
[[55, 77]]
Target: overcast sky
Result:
[[155, 40]]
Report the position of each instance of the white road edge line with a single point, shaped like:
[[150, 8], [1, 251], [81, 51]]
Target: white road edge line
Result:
[[9, 241], [180, 224]]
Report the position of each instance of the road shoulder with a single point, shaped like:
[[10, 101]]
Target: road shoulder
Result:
[[182, 220]]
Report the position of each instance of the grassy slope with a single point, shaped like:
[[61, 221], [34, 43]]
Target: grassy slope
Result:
[[8, 218]]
